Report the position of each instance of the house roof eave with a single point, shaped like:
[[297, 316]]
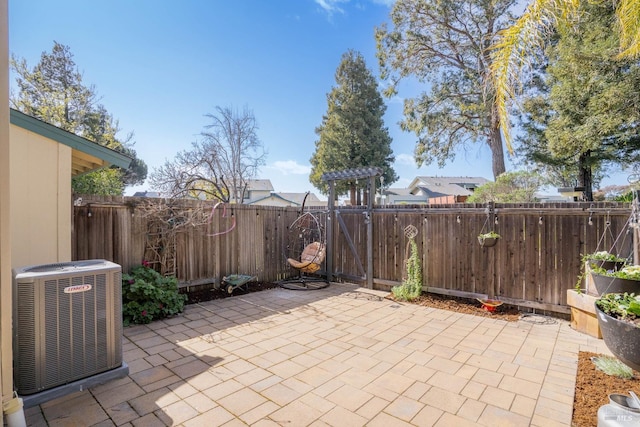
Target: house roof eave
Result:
[[85, 152]]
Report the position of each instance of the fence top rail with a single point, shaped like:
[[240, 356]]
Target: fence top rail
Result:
[[568, 208], [585, 206], [506, 211]]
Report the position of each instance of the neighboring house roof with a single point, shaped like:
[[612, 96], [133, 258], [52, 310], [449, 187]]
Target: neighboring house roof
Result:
[[292, 199], [274, 197], [146, 194], [434, 186], [398, 191], [298, 198], [86, 155], [259, 185]]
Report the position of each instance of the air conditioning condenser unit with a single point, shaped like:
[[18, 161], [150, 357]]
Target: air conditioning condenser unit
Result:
[[67, 323]]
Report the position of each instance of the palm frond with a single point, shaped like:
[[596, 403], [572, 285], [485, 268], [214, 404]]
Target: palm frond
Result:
[[628, 13], [511, 52]]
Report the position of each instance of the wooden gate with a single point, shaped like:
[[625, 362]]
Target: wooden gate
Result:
[[340, 230]]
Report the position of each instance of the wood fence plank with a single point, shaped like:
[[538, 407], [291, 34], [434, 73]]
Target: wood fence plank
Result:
[[533, 261]]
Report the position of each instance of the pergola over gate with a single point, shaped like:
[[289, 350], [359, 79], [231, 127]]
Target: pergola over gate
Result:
[[370, 174]]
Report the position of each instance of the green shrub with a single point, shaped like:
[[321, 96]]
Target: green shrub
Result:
[[411, 287], [612, 366], [147, 296]]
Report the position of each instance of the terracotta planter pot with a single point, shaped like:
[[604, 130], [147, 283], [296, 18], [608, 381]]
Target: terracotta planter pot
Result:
[[622, 338], [609, 285]]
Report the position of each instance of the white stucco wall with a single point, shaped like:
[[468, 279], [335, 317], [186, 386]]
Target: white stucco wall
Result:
[[40, 199], [6, 351]]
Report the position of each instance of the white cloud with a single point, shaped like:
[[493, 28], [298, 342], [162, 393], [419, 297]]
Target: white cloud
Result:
[[331, 6], [290, 167], [405, 159], [388, 3]]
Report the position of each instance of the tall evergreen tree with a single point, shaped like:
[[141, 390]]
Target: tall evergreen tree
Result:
[[352, 133], [587, 114], [53, 91], [512, 51], [445, 45]]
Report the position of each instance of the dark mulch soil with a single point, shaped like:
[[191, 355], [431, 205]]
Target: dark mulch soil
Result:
[[444, 302], [593, 388], [467, 306], [203, 294]]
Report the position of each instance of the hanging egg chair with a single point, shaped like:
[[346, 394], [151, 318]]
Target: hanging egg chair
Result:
[[305, 253]]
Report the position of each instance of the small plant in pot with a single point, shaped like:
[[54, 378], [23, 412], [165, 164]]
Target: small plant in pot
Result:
[[488, 239], [605, 260], [627, 279], [619, 321]]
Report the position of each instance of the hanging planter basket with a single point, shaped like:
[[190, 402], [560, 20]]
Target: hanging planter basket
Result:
[[488, 240], [607, 265], [610, 284]]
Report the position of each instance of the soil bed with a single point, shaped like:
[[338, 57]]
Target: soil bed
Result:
[[463, 305], [593, 388], [209, 294]]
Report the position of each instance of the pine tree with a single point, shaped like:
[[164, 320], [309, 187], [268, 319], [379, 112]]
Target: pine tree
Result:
[[444, 44], [587, 114], [53, 91], [352, 133]]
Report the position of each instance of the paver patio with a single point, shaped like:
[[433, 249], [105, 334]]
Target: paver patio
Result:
[[340, 356]]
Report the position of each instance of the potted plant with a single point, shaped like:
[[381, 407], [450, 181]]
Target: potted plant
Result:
[[619, 320], [604, 259], [488, 239], [627, 279]]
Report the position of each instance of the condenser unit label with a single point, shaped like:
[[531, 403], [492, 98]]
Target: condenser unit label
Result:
[[77, 288]]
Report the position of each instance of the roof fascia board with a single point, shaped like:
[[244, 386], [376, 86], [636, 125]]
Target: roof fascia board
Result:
[[69, 139]]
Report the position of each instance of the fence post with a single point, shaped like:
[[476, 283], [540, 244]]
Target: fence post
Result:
[[329, 231], [370, 185], [636, 228]]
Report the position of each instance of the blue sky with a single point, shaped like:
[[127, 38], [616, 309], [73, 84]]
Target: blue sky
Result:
[[160, 66]]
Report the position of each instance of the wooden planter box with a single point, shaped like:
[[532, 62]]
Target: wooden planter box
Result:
[[583, 313]]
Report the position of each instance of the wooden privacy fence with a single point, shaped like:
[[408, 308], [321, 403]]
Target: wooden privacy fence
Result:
[[121, 230], [533, 264], [537, 258]]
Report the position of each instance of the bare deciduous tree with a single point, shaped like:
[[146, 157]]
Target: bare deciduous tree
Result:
[[220, 164]]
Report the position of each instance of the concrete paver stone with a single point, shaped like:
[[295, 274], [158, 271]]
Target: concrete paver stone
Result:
[[340, 356]]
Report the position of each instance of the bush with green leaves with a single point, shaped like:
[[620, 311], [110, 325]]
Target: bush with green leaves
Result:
[[147, 295], [411, 287]]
